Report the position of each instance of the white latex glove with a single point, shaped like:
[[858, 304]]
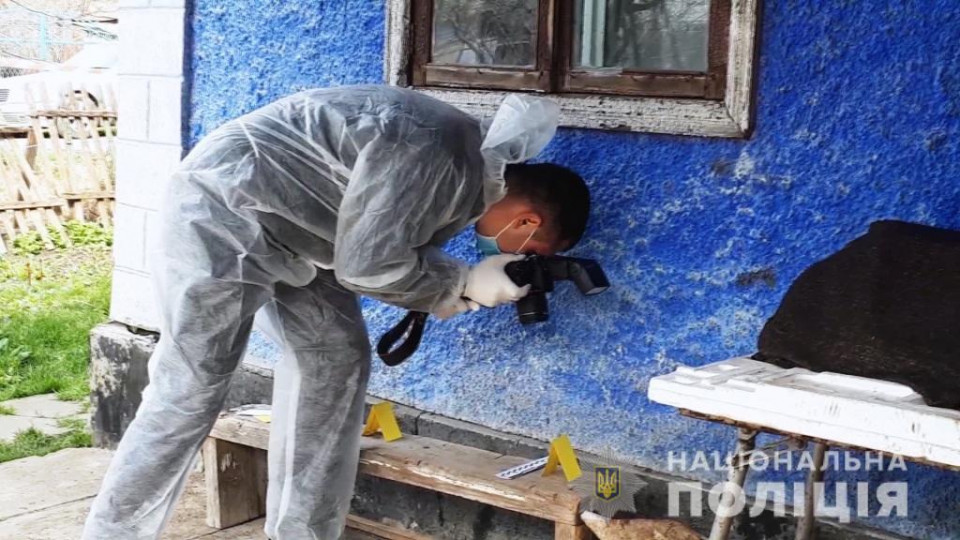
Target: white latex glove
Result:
[[454, 308], [489, 285]]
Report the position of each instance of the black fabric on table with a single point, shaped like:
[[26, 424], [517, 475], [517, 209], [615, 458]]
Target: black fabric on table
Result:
[[886, 306]]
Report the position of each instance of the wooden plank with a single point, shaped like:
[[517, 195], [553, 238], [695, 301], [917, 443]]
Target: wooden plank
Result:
[[469, 473], [546, 15], [86, 195], [637, 84], [382, 530], [445, 467], [78, 143], [76, 112], [718, 48], [8, 171], [13, 181], [421, 17], [92, 127], [486, 77], [7, 219], [53, 220], [37, 219], [32, 148], [30, 205], [236, 483], [563, 531], [96, 168], [32, 189], [37, 135], [20, 219], [742, 61], [231, 428], [62, 158]]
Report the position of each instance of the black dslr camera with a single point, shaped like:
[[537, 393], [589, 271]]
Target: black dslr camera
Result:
[[538, 272], [541, 273]]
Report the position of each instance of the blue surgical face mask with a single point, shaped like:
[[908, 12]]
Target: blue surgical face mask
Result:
[[488, 246]]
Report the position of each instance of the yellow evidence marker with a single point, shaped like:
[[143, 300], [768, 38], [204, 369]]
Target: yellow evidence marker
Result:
[[382, 419], [562, 454]]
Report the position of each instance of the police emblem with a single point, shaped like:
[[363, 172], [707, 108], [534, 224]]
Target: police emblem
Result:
[[607, 482]]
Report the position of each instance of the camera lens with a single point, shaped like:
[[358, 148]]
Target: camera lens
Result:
[[533, 308]]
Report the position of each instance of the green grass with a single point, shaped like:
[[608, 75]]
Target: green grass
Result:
[[48, 305], [34, 443], [49, 302], [6, 410]]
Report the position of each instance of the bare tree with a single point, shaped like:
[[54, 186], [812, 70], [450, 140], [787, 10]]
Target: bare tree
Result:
[[50, 30], [496, 32]]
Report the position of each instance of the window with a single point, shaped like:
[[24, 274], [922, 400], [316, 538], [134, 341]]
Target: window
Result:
[[670, 66]]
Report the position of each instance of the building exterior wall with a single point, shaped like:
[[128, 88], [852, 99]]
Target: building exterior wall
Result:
[[858, 114], [149, 145]]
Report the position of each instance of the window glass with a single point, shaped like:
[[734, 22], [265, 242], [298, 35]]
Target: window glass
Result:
[[485, 32], [641, 35]]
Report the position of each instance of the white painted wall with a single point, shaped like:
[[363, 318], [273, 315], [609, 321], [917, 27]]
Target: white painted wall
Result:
[[148, 145]]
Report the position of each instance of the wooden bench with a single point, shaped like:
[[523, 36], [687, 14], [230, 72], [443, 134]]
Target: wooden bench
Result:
[[235, 468]]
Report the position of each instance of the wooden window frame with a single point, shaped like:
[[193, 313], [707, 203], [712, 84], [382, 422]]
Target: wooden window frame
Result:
[[716, 104], [632, 82], [534, 78]]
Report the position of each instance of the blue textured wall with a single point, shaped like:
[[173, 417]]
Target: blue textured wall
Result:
[[858, 118]]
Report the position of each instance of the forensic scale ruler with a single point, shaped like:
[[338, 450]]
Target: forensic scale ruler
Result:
[[523, 468]]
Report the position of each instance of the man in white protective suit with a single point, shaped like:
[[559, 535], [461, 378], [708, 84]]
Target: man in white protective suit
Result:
[[294, 210]]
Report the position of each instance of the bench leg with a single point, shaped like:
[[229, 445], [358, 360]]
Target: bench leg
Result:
[[806, 527], [563, 531], [236, 482], [746, 440]]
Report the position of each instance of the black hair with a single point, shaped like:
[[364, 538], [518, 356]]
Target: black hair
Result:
[[560, 192]]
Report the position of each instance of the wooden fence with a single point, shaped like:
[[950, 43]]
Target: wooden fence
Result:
[[61, 167]]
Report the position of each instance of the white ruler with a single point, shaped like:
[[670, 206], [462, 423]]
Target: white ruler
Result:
[[520, 470]]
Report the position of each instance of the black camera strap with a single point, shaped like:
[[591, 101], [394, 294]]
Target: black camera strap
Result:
[[412, 327]]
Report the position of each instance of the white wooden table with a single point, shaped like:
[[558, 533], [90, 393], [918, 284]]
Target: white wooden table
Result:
[[827, 409]]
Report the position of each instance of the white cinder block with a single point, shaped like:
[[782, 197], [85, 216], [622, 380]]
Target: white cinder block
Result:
[[165, 118], [134, 3], [133, 300], [129, 237], [168, 3], [134, 100], [143, 170], [154, 38], [153, 238]]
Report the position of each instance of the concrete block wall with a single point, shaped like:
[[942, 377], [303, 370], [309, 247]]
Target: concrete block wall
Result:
[[149, 146]]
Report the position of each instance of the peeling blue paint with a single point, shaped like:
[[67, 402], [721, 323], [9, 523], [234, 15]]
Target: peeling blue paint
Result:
[[858, 113]]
